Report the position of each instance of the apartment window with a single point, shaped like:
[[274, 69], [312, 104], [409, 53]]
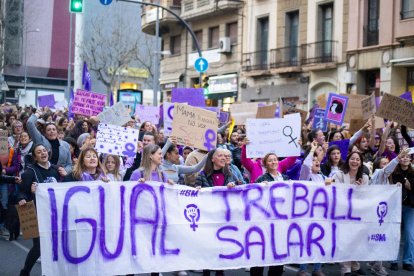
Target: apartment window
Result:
[[199, 35], [213, 37], [175, 45], [291, 36], [324, 46], [231, 31], [371, 29], [262, 40], [407, 9]]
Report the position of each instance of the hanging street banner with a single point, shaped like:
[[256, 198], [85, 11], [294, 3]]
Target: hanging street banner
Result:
[[119, 228]]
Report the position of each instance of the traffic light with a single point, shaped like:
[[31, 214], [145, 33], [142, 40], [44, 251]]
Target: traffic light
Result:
[[204, 84], [76, 6]]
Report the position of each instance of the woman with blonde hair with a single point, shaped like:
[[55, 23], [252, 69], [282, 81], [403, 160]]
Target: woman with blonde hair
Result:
[[112, 167], [88, 168]]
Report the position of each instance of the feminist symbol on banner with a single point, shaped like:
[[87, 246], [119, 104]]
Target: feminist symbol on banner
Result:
[[129, 150], [289, 129], [192, 214], [210, 136], [382, 210]]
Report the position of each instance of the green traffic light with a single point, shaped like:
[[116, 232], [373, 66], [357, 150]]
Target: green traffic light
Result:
[[76, 6]]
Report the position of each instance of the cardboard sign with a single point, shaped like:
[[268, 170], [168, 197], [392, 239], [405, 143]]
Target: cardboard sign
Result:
[[396, 109], [195, 127], [28, 220], [242, 111], [319, 120], [356, 124], [354, 110], [88, 103], [117, 140], [336, 108], [148, 113], [266, 112], [4, 143], [379, 122], [279, 136], [192, 96], [46, 100], [117, 115], [368, 106]]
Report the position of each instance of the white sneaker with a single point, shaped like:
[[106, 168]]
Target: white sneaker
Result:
[[247, 269], [180, 273]]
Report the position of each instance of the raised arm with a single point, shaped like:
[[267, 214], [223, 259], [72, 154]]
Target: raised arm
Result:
[[34, 133], [183, 169], [246, 162]]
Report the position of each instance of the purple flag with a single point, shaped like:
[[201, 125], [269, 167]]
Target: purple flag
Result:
[[111, 99], [407, 96], [46, 100], [72, 96], [86, 78], [192, 96]]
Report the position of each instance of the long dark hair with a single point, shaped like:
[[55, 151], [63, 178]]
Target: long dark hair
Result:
[[328, 153], [345, 167], [209, 167]]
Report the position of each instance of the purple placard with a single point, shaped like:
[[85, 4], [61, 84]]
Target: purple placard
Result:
[[88, 103], [224, 117], [192, 96], [319, 120], [336, 108], [148, 113], [407, 96], [46, 100], [343, 145]]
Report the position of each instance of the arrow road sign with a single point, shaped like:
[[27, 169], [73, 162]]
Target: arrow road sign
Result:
[[201, 65], [105, 2]]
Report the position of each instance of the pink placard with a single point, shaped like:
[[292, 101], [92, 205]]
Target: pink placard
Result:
[[88, 103]]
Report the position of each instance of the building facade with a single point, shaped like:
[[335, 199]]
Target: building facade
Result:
[[218, 28], [293, 50], [380, 53]]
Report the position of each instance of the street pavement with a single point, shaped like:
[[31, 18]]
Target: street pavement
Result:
[[13, 255]]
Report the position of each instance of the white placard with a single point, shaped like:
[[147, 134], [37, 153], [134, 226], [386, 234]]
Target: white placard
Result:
[[117, 115], [279, 136], [168, 109], [119, 228], [117, 140]]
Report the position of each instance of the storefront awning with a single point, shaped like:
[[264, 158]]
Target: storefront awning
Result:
[[170, 78], [402, 62]]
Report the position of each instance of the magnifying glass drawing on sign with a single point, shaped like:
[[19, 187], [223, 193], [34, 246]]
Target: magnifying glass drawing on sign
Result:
[[287, 131]]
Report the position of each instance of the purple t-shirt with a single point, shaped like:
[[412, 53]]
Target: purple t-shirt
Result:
[[137, 174]]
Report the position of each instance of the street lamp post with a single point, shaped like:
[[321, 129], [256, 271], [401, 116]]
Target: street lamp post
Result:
[[25, 55]]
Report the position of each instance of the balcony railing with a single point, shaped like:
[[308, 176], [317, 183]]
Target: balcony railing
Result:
[[149, 15], [319, 52], [192, 9], [256, 61], [291, 56], [285, 57]]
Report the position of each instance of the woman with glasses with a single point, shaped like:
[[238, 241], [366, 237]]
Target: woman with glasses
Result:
[[60, 152], [16, 130]]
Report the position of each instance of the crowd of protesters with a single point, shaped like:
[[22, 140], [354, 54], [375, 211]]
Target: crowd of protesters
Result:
[[48, 146]]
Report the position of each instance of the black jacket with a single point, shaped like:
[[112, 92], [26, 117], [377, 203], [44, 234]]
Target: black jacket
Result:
[[37, 174], [269, 178], [5, 178]]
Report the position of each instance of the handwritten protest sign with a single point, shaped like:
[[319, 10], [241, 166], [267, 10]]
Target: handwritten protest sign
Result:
[[319, 120], [368, 106], [168, 109], [4, 143], [117, 140], [195, 127], [277, 135], [148, 113], [356, 124], [336, 108], [123, 228], [117, 115], [88, 103], [241, 111], [396, 109], [192, 96], [266, 112], [354, 110], [46, 100], [28, 220]]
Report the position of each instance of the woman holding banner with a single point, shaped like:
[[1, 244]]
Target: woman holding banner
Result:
[[404, 176], [271, 165], [88, 168], [352, 172], [42, 171]]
